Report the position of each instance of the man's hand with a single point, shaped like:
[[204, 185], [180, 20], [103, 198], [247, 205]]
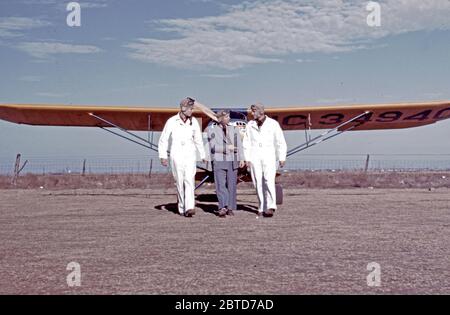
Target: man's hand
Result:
[[241, 164], [164, 162], [282, 163], [191, 100], [206, 110]]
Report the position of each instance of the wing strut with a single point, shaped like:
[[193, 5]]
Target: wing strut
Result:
[[150, 138], [150, 145], [326, 135], [202, 182], [147, 143]]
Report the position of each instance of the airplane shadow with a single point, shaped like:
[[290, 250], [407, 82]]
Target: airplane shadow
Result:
[[206, 207]]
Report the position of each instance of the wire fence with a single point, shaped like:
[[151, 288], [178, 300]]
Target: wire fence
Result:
[[108, 164], [371, 162], [84, 165]]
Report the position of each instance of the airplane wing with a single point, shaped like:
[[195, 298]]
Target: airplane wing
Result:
[[129, 118], [377, 116], [371, 117]]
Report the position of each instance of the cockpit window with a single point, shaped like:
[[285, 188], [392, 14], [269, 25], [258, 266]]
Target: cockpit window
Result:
[[238, 118], [237, 115]]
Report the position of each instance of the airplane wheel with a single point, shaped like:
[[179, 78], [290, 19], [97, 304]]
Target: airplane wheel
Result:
[[279, 194]]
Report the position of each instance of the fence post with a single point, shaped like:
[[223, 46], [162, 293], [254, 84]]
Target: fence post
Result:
[[151, 167], [16, 170], [84, 168], [367, 163]]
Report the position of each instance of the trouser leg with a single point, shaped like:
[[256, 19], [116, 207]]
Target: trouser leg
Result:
[[269, 171], [257, 178], [189, 185], [178, 175], [232, 187], [221, 189]]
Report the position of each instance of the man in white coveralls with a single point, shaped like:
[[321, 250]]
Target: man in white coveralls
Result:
[[264, 144], [185, 137]]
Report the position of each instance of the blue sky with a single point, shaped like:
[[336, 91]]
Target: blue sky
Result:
[[225, 54]]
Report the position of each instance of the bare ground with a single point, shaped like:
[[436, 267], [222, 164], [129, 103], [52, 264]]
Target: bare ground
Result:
[[130, 241]]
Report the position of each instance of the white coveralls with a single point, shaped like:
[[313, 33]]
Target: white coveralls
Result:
[[185, 138], [263, 146]]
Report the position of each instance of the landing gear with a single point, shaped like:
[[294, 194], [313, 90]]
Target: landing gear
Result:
[[279, 194]]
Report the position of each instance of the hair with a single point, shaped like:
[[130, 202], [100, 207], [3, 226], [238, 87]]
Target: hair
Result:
[[186, 102], [257, 106], [222, 113]]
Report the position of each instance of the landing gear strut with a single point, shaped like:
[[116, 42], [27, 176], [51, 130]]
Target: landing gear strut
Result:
[[279, 194]]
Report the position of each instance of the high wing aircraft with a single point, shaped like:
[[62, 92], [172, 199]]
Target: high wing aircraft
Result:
[[122, 121]]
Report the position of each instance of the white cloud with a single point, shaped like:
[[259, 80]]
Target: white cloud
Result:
[[92, 4], [221, 75], [15, 26], [43, 50], [266, 31]]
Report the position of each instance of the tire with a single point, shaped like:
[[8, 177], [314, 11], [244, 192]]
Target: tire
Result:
[[279, 194]]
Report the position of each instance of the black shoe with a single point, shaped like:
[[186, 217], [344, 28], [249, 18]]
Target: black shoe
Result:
[[190, 213], [268, 213], [230, 212], [222, 213]]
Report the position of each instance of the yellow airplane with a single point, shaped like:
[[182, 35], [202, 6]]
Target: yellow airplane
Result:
[[337, 119]]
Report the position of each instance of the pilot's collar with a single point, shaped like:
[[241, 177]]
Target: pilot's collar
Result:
[[185, 120]]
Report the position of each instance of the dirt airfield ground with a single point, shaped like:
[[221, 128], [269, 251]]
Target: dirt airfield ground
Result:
[[320, 241]]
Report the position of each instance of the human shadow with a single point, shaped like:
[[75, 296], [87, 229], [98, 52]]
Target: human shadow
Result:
[[207, 207], [247, 208], [171, 207], [207, 198], [212, 208]]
